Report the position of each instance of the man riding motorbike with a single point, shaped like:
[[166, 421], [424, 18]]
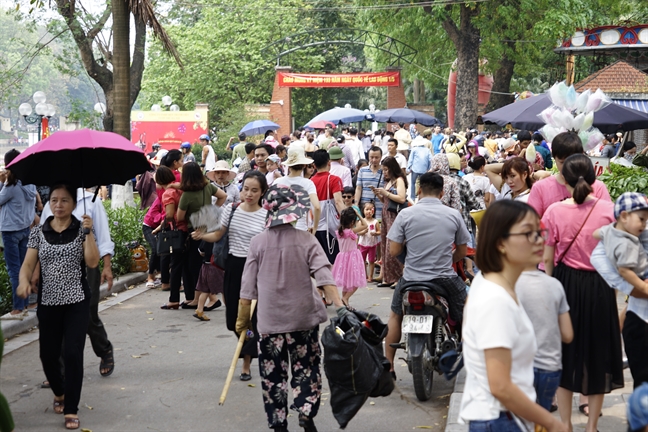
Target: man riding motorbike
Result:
[[426, 232]]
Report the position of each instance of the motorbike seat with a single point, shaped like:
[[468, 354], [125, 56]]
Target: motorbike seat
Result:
[[425, 285]]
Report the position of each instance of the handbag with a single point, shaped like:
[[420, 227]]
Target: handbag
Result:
[[208, 217], [577, 233], [220, 249], [170, 241], [396, 207]]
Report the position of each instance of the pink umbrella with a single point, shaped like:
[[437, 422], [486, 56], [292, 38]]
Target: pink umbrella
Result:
[[80, 158]]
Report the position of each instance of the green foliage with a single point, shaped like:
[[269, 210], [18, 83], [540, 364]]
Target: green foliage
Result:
[[84, 114], [125, 230], [6, 303], [622, 179]]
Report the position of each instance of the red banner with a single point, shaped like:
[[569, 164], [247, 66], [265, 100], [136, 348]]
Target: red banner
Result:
[[372, 79]]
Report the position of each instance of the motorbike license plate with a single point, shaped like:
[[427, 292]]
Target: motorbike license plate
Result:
[[417, 323]]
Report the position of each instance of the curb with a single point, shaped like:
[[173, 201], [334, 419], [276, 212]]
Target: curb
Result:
[[11, 328], [452, 425]]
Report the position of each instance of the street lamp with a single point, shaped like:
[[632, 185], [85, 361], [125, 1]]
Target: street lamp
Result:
[[100, 108], [35, 115], [372, 110], [167, 101], [174, 107]]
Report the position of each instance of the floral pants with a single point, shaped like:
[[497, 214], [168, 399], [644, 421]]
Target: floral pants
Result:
[[303, 350]]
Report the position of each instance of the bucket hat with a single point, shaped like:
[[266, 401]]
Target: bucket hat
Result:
[[285, 204], [297, 156], [220, 166]]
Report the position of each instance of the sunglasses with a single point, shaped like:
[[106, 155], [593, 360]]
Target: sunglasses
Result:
[[347, 196]]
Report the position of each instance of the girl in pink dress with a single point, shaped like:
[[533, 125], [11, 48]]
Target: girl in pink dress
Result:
[[349, 269]]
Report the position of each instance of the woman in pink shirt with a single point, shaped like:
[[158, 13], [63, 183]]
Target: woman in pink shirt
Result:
[[592, 363]]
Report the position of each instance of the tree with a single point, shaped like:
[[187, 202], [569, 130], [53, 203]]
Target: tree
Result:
[[122, 84]]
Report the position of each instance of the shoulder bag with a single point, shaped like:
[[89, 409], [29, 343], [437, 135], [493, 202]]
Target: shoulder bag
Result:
[[330, 211], [170, 241], [220, 250], [577, 233]]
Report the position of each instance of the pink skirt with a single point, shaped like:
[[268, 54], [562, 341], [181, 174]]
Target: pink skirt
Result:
[[349, 270], [210, 279]]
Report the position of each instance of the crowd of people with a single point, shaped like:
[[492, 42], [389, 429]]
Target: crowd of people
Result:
[[308, 219]]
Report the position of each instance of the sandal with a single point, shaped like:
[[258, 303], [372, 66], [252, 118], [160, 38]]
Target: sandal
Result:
[[582, 407], [72, 423], [45, 384], [201, 316], [107, 362], [58, 406], [150, 284]]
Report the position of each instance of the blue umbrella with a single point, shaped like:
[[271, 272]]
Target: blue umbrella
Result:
[[405, 115], [258, 127], [341, 115]]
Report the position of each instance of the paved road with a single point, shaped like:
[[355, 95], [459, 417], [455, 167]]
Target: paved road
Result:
[[170, 372]]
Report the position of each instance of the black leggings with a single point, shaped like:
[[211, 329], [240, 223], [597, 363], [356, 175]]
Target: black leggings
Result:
[[57, 325]]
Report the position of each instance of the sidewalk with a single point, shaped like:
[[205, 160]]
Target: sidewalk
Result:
[[614, 404], [12, 327]]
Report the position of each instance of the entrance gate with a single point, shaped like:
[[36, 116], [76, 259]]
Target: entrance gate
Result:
[[285, 80]]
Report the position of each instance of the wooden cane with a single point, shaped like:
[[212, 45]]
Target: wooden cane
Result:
[[237, 353]]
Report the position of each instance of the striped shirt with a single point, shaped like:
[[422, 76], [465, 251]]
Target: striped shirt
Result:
[[367, 178], [245, 225]]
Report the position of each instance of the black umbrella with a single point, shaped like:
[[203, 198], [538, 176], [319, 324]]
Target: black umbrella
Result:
[[523, 114]]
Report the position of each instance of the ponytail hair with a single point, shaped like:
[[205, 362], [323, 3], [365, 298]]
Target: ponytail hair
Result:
[[347, 219], [579, 174]]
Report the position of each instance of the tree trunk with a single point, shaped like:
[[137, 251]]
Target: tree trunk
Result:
[[121, 68], [467, 42], [502, 84]]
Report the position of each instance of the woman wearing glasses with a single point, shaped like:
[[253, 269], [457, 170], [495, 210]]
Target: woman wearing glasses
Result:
[[592, 363], [498, 339]]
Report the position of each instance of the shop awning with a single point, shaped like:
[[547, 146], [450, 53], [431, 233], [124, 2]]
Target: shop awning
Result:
[[639, 105]]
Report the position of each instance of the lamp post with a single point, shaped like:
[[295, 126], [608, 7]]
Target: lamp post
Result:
[[372, 110], [35, 115]]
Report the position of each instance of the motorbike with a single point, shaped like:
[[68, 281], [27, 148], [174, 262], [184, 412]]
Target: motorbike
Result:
[[431, 342]]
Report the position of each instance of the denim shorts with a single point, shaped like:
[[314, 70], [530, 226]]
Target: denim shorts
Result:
[[546, 383], [504, 423]]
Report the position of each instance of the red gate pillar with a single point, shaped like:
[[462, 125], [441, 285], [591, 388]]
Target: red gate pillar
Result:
[[281, 104], [396, 95]]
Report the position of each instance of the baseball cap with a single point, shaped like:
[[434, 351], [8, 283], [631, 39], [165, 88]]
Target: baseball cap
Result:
[[156, 145], [185, 145], [274, 158], [629, 202], [638, 408], [205, 137], [335, 153]]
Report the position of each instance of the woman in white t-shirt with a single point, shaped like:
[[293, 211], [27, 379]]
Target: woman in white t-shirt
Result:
[[248, 220], [499, 344], [478, 180], [510, 180], [296, 162]]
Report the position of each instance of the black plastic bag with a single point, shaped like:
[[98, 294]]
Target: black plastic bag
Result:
[[354, 363]]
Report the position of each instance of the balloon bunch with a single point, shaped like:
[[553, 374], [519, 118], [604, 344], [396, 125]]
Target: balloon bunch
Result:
[[572, 111]]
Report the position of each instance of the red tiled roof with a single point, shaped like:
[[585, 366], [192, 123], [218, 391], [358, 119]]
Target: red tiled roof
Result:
[[618, 77]]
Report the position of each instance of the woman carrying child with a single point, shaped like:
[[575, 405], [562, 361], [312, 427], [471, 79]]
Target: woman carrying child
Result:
[[349, 269]]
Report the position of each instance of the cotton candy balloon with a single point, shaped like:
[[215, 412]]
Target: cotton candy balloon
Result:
[[530, 153], [557, 94], [584, 137], [550, 132], [562, 119], [581, 101], [588, 121], [546, 114], [570, 97], [577, 124], [595, 138]]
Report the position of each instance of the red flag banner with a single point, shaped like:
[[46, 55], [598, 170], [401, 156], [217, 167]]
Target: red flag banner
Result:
[[370, 79], [45, 132]]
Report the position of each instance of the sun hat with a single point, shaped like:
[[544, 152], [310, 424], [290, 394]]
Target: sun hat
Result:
[[205, 137], [273, 158], [185, 145], [158, 157], [454, 161], [285, 204], [629, 202], [637, 411], [220, 166], [335, 153], [297, 156]]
